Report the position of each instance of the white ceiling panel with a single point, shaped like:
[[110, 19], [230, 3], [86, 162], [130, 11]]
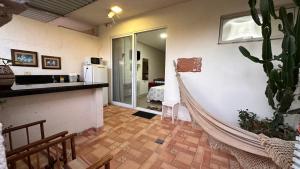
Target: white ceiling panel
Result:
[[96, 13]]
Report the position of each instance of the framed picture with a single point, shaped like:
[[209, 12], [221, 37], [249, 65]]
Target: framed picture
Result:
[[24, 58], [145, 69], [51, 62]]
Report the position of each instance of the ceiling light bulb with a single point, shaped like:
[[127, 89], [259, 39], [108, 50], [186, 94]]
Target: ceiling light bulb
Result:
[[163, 35], [116, 9], [111, 14]]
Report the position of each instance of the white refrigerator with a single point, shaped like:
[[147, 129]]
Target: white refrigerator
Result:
[[97, 74]]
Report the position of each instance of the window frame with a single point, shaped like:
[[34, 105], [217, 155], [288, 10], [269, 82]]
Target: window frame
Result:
[[242, 14]]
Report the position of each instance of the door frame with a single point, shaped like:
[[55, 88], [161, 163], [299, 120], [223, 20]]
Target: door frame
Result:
[[132, 74], [134, 68], [135, 53]]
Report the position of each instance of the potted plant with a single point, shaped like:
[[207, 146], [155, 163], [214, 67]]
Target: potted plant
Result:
[[282, 70], [7, 77]]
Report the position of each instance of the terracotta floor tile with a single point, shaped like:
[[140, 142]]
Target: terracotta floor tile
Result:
[[184, 158], [167, 166], [129, 165], [214, 166], [151, 145], [180, 165], [131, 140], [100, 151], [166, 156]]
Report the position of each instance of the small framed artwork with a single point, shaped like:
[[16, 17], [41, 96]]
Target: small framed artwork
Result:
[[145, 69], [24, 58], [51, 62]]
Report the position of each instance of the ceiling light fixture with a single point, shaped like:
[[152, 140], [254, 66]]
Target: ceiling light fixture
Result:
[[116, 9], [111, 14], [114, 12], [163, 35]]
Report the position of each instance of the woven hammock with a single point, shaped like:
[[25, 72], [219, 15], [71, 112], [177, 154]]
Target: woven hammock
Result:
[[251, 150]]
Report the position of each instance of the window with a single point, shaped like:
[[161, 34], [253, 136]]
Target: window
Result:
[[241, 28]]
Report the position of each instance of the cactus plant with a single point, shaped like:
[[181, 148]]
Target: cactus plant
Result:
[[284, 77]]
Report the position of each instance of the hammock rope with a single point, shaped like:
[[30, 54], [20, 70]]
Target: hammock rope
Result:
[[251, 150]]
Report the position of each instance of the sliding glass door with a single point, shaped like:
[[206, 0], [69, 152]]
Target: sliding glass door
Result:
[[150, 73], [138, 77], [122, 70]]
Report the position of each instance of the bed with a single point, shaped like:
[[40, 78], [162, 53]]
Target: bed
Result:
[[156, 93]]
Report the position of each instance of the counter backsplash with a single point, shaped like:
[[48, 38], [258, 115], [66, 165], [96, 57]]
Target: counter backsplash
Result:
[[42, 79]]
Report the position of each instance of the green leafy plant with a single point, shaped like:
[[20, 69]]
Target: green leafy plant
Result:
[[249, 121], [284, 77]]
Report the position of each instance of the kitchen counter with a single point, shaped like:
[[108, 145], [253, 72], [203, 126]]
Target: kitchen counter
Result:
[[74, 107], [23, 90]]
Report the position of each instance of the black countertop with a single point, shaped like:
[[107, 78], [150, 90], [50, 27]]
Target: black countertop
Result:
[[24, 90]]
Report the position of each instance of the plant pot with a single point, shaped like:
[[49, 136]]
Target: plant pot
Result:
[[7, 77]]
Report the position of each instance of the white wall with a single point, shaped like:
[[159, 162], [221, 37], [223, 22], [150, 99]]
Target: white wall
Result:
[[228, 81], [72, 111], [46, 39], [156, 61]]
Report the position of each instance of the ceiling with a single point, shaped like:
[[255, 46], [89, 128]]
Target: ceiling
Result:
[[96, 13], [153, 39], [86, 15], [48, 10]]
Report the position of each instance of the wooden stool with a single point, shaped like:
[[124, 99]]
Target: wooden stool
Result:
[[174, 106]]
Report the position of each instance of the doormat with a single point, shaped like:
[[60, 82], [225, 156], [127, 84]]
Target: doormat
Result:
[[144, 115]]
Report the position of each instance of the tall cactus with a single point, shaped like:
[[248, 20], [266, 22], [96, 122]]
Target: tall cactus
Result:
[[282, 78]]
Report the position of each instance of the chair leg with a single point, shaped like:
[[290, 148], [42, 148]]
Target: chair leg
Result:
[[107, 165], [177, 110], [173, 115], [162, 112]]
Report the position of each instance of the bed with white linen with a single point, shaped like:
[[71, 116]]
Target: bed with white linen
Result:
[[156, 93]]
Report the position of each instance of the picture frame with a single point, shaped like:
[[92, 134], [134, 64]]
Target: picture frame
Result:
[[24, 58], [145, 69], [51, 62]]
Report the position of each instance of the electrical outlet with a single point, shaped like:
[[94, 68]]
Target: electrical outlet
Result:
[[27, 73]]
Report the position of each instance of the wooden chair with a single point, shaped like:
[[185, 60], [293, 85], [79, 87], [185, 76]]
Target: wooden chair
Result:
[[33, 150], [10, 130], [54, 149], [81, 164]]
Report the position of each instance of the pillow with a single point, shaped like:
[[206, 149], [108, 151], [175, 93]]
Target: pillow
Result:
[[189, 64], [2, 151]]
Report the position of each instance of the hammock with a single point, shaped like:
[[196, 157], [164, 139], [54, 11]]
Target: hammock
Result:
[[251, 150]]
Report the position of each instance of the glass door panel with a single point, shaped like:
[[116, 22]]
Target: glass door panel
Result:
[[122, 69], [150, 49]]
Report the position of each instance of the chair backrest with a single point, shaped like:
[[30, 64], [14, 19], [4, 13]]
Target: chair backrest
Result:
[[45, 147], [10, 130], [36, 143]]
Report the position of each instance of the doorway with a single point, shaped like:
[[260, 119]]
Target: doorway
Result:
[[151, 54], [138, 77]]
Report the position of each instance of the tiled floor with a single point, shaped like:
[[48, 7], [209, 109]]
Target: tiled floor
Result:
[[132, 142]]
